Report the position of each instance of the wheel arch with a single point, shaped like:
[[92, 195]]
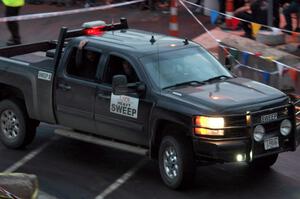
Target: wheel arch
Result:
[[160, 129], [11, 92]]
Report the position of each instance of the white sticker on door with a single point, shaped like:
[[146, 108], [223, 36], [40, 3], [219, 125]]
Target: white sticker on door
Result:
[[124, 105], [44, 75]]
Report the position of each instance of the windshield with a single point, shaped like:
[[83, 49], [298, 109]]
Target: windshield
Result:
[[176, 67]]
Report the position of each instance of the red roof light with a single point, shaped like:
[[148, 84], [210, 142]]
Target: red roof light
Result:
[[94, 31]]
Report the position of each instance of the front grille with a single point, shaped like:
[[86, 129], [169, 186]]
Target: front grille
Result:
[[272, 128], [282, 113], [236, 133], [235, 121]]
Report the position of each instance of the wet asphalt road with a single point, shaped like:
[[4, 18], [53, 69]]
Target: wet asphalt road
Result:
[[70, 169]]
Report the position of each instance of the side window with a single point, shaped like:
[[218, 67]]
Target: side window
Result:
[[119, 66], [83, 64]]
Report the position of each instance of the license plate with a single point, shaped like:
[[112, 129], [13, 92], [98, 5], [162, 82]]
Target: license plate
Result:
[[271, 143], [269, 118]]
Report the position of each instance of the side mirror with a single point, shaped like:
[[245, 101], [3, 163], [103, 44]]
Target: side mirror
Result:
[[119, 84], [141, 88]]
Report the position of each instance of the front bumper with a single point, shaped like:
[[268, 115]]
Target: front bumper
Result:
[[228, 150], [245, 148], [220, 151]]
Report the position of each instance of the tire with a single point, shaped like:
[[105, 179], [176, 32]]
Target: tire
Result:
[[176, 154], [16, 129], [264, 162]]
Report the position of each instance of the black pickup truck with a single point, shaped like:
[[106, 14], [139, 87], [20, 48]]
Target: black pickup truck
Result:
[[164, 95]]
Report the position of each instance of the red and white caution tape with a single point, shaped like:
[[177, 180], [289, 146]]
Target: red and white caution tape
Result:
[[67, 12]]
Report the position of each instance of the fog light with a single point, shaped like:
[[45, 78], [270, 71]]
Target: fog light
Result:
[[259, 132], [285, 127], [240, 158]]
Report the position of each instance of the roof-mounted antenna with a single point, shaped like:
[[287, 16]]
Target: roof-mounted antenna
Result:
[[152, 40], [186, 41], [112, 25]]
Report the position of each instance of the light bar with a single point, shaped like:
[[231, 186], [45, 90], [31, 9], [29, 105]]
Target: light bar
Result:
[[100, 27], [94, 30]]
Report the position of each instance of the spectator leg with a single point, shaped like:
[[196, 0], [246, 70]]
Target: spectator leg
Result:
[[245, 25], [276, 8], [13, 26], [293, 8]]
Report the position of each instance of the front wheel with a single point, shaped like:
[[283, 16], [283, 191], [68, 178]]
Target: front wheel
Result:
[[264, 162], [176, 162], [16, 129]]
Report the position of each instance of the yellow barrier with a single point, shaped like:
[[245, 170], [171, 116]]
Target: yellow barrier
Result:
[[23, 186]]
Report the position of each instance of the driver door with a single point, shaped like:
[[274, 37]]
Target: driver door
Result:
[[122, 117]]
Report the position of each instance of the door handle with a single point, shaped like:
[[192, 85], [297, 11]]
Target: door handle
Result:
[[103, 96], [64, 87]]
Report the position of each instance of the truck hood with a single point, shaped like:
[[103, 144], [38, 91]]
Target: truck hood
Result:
[[227, 96]]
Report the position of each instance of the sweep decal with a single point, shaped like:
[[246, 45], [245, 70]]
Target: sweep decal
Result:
[[124, 105]]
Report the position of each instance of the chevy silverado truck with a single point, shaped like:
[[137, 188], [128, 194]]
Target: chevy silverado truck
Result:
[[143, 92]]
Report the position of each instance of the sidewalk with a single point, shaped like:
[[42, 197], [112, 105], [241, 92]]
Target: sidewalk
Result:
[[258, 64], [208, 42]]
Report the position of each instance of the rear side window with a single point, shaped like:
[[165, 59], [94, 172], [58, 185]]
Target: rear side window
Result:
[[83, 64]]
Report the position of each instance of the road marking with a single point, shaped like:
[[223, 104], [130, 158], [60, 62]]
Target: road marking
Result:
[[29, 156], [122, 180]]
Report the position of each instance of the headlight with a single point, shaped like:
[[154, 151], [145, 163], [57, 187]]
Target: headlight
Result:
[[285, 127], [210, 122], [259, 132], [212, 126]]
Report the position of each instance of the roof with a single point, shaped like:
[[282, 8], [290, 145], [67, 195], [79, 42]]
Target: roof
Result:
[[138, 42]]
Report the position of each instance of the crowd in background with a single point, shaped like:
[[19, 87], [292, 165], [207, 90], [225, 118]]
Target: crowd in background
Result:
[[250, 10], [85, 3], [257, 11]]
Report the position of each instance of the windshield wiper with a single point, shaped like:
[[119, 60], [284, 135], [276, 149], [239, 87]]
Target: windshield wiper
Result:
[[220, 77], [191, 83]]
